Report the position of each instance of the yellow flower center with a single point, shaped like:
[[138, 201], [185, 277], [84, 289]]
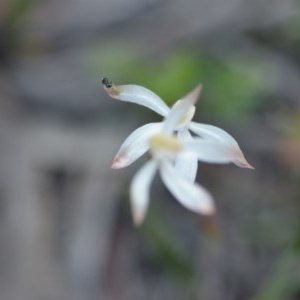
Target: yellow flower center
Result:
[[164, 143]]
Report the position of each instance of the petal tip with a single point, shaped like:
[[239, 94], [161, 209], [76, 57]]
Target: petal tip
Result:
[[118, 163], [194, 94], [250, 167], [138, 219], [209, 210], [244, 164], [198, 90], [241, 161]]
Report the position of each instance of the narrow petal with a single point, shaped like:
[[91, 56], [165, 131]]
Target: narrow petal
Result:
[[179, 109], [216, 152], [186, 163], [135, 145], [139, 191], [193, 95], [214, 133], [139, 95], [191, 195]]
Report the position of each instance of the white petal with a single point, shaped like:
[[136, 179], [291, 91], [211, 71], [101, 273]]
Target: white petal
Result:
[[191, 195], [215, 133], [139, 191], [210, 151], [212, 132], [135, 145], [216, 152], [179, 109], [139, 95], [186, 163]]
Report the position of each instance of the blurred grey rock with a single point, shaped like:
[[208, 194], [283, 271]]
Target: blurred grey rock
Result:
[[59, 198]]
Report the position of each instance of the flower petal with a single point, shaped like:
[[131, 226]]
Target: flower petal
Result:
[[186, 163], [193, 95], [139, 95], [214, 133], [216, 152], [191, 195], [135, 145], [179, 109], [139, 191]]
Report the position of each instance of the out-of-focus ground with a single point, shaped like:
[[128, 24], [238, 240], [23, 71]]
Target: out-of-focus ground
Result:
[[65, 223]]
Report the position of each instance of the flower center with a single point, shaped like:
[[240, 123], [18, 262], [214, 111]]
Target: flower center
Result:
[[164, 144]]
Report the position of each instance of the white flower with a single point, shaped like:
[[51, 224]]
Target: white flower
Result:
[[164, 149], [136, 144]]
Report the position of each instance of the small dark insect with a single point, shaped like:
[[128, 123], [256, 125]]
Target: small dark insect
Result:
[[107, 82]]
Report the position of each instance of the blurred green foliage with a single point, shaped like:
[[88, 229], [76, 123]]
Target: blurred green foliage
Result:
[[17, 8], [284, 281], [293, 28], [11, 35]]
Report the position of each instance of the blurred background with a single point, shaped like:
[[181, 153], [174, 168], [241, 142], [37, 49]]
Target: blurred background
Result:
[[65, 224]]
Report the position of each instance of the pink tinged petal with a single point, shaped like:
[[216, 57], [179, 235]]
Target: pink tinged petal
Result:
[[139, 95], [242, 162], [216, 152], [186, 163], [135, 145], [139, 191], [191, 195], [214, 133], [193, 95], [179, 109]]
